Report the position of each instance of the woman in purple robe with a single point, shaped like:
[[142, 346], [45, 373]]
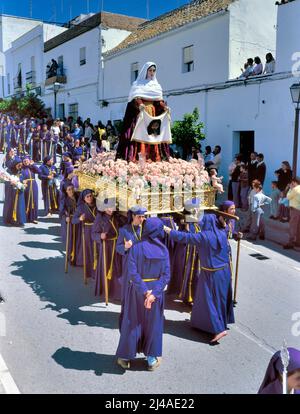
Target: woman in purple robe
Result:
[[272, 383], [146, 279], [67, 207], [105, 232], [47, 173], [31, 194], [85, 215], [14, 203], [213, 305]]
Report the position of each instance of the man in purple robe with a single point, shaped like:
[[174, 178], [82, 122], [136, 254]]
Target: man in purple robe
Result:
[[147, 276], [29, 170], [105, 232], [213, 305], [47, 173], [85, 215], [272, 383]]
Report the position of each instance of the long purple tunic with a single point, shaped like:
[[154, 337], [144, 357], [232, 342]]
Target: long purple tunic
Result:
[[31, 192], [213, 305], [109, 261], [14, 205], [141, 328], [87, 253], [67, 208], [49, 190]]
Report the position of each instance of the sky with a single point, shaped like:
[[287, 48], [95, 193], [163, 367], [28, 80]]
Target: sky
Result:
[[60, 11]]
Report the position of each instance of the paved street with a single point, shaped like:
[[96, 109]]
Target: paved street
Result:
[[60, 339]]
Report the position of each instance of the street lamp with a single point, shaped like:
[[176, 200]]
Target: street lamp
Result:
[[295, 93], [56, 88]]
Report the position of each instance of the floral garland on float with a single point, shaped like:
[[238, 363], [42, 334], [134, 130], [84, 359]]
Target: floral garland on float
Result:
[[161, 186], [13, 180]]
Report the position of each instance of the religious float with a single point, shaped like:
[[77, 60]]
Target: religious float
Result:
[[141, 171]]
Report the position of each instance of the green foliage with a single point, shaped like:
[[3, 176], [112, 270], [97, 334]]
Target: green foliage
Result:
[[27, 106], [189, 132]]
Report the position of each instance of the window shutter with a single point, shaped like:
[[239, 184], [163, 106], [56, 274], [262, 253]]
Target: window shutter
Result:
[[188, 55]]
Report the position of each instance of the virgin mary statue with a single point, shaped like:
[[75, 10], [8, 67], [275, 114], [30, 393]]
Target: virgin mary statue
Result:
[[145, 95]]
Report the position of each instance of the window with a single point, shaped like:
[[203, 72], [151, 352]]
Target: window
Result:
[[8, 84], [73, 110], [82, 56], [134, 71], [188, 59]]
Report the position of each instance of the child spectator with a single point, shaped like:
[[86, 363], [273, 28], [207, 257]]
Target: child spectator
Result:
[[284, 213], [257, 220], [244, 186], [275, 196], [247, 225]]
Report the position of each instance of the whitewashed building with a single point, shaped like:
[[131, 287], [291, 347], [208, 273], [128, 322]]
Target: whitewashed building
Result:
[[25, 60], [11, 28], [78, 52], [241, 116]]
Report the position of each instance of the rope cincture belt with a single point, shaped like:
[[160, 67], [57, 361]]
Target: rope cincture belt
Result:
[[208, 269], [150, 280]]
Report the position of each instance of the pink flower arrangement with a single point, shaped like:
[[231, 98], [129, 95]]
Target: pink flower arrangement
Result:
[[175, 172]]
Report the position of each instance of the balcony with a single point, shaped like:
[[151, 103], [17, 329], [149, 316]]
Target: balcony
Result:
[[60, 77], [31, 78]]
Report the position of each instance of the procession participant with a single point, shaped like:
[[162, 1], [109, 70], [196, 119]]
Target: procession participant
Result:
[[69, 177], [14, 203], [213, 305], [29, 170], [47, 173], [9, 159], [105, 232], [272, 383], [145, 94], [85, 214], [146, 279], [186, 272], [2, 133], [23, 132], [67, 208], [12, 133], [65, 162], [36, 144], [45, 139]]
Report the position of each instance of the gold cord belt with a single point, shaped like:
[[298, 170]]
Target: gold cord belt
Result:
[[212, 270], [88, 224], [150, 280]]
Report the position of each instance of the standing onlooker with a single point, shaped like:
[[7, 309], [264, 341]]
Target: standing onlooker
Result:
[[247, 225], [231, 168], [217, 157], [284, 175], [252, 164], [208, 156], [261, 169], [88, 132], [244, 183], [235, 179], [270, 64], [275, 195], [257, 221], [294, 226]]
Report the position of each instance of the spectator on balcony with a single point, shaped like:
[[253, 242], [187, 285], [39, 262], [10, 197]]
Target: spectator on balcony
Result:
[[258, 68], [270, 64], [53, 69], [248, 69]]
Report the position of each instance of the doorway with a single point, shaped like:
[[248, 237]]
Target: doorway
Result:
[[244, 143]]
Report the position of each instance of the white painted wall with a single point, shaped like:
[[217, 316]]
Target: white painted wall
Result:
[[84, 83], [252, 32], [23, 48], [288, 38]]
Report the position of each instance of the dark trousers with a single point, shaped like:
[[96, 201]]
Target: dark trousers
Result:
[[294, 228]]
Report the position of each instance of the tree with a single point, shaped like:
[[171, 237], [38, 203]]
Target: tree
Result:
[[27, 106], [188, 132]]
